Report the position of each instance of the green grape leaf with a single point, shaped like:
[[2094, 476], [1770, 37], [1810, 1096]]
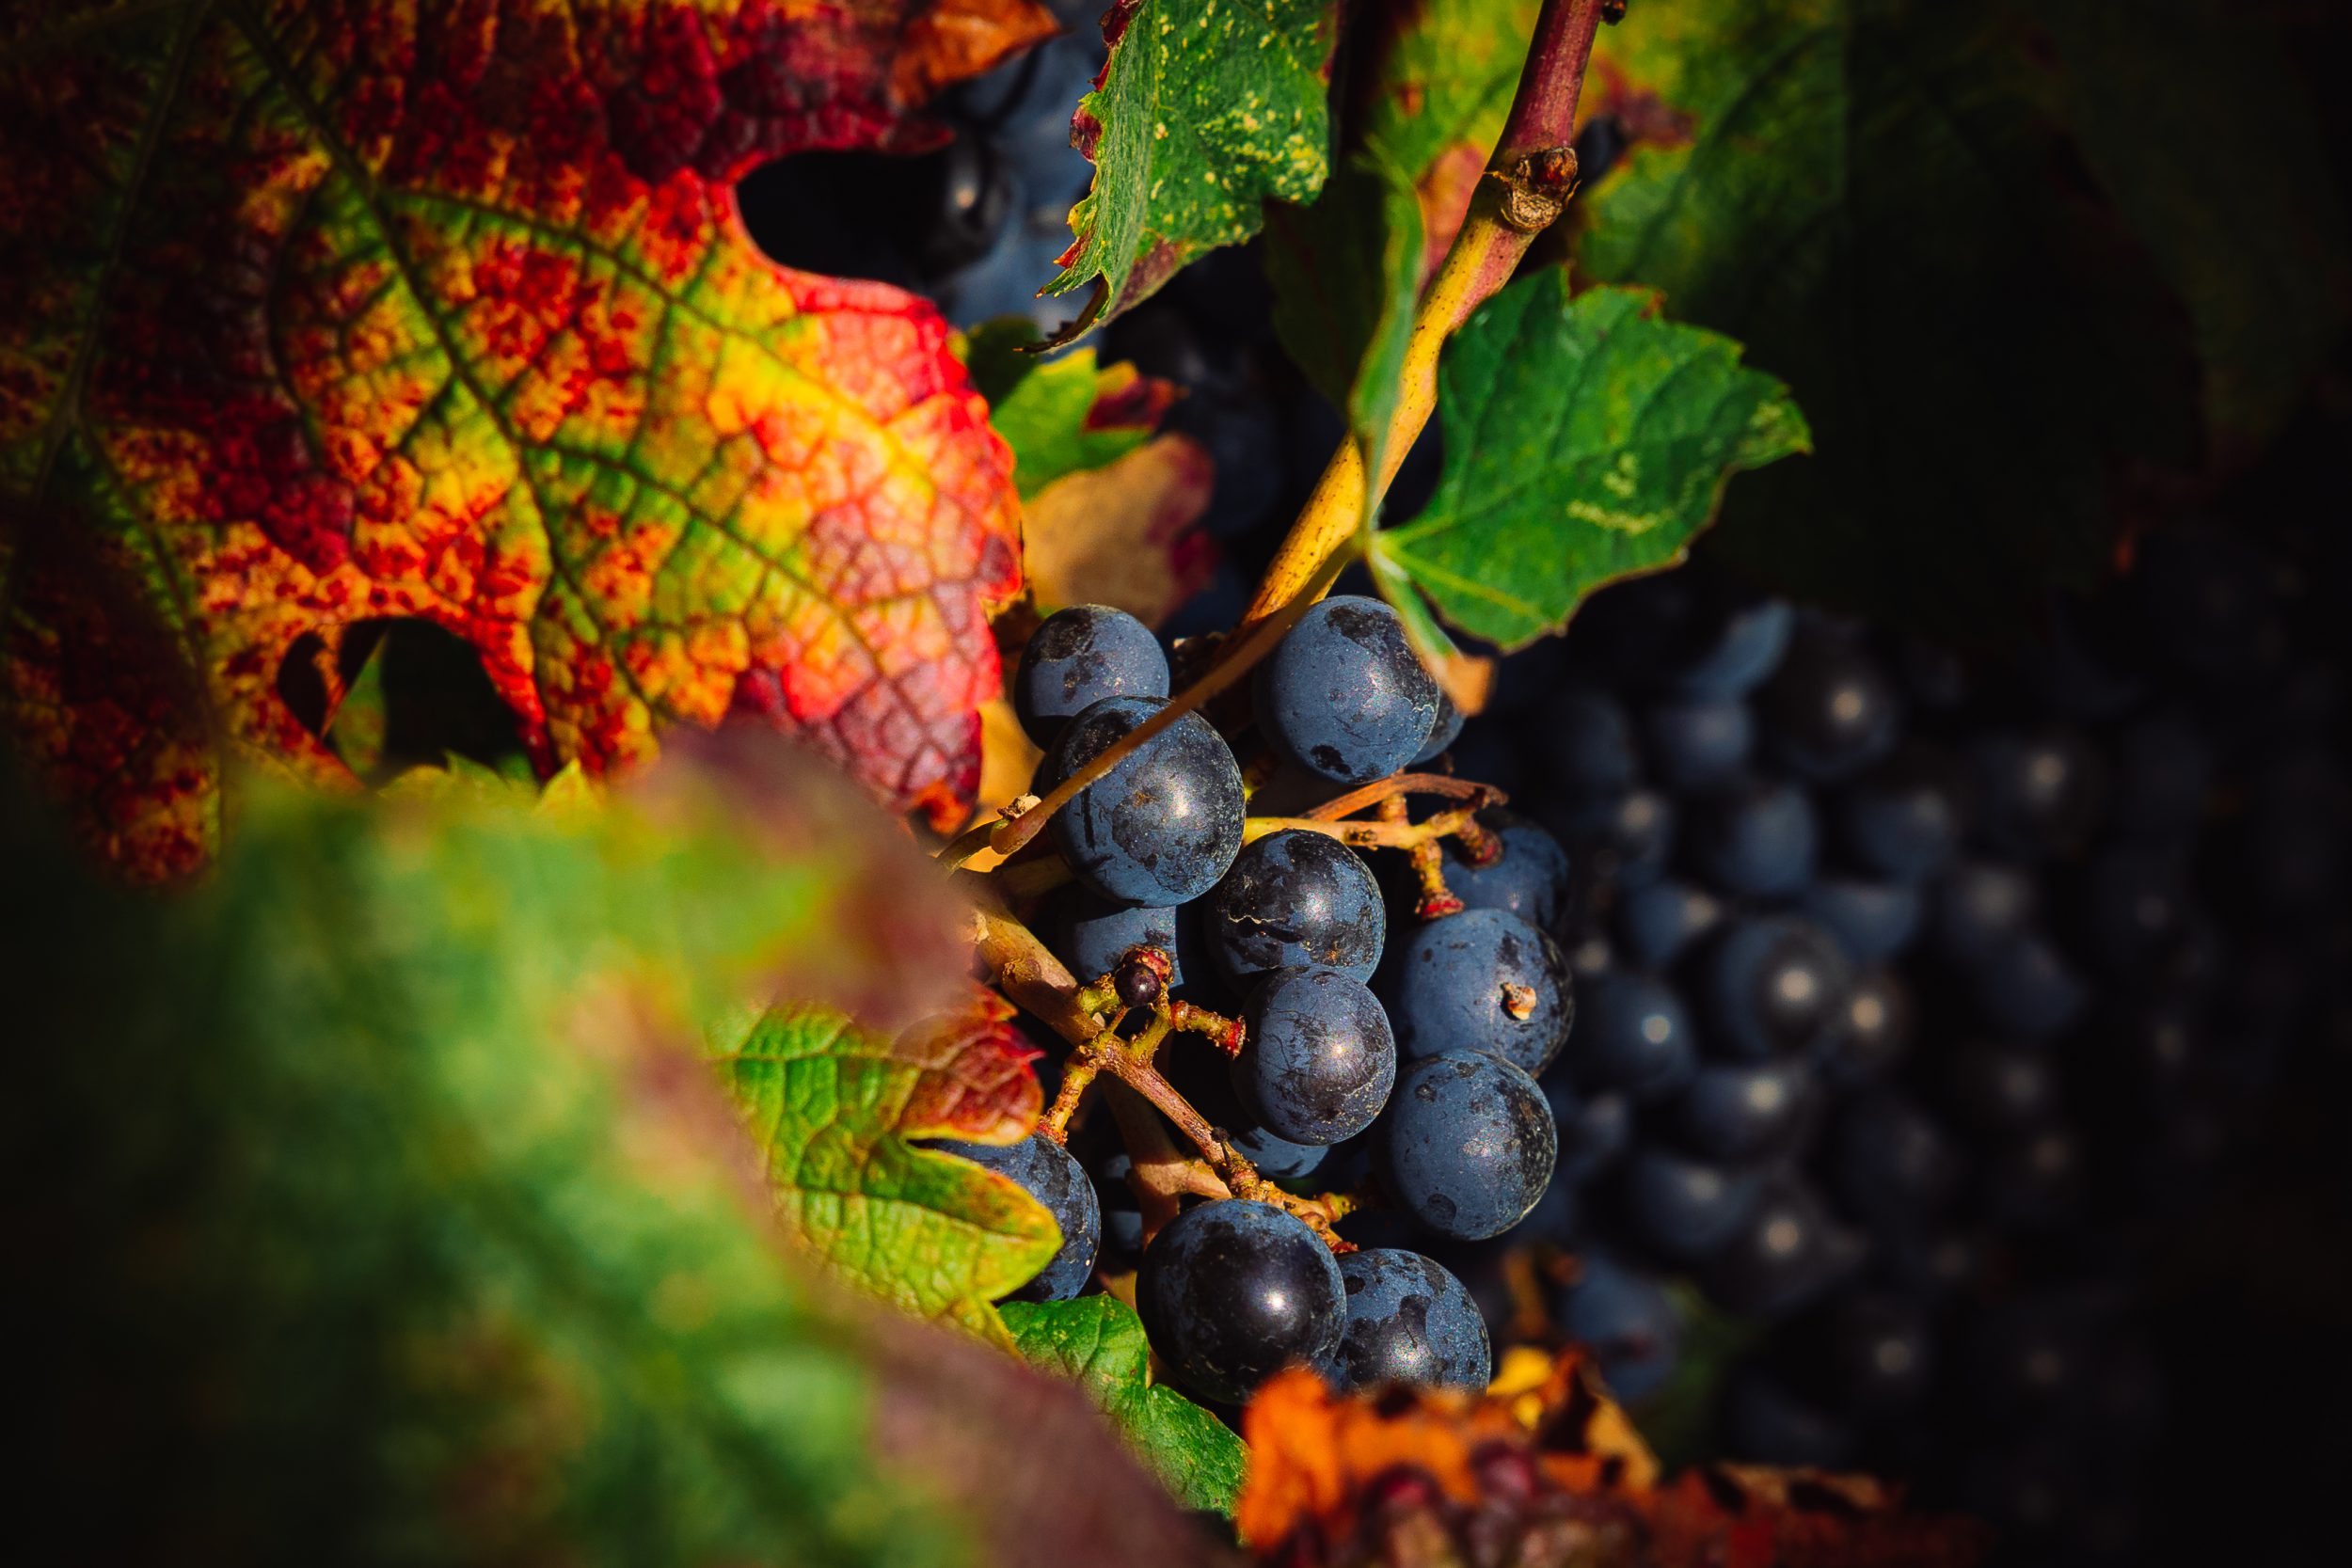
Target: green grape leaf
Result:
[[1065, 415], [1887, 201], [1097, 1343], [1587, 440], [387, 1212], [1203, 113], [834, 1110]]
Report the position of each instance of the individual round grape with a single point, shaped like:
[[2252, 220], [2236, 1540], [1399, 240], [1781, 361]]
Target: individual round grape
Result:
[[1275, 1159], [1481, 980], [1760, 839], [2035, 792], [1595, 1129], [1444, 730], [1077, 657], [1319, 1060], [1165, 824], [1232, 1291], [2138, 908], [1889, 1163], [1871, 921], [1345, 696], [1658, 922], [1830, 709], [1881, 1019], [1902, 820], [1096, 933], [1632, 1034], [1292, 899], [2210, 599], [1628, 1323], [1684, 1208], [2025, 988], [1585, 742], [1530, 878], [1696, 745], [1624, 839], [1467, 1144], [1879, 1350], [1977, 907], [1733, 654], [1409, 1321], [1046, 1172], [1771, 986], [1998, 1088], [1785, 1253], [1739, 1112]]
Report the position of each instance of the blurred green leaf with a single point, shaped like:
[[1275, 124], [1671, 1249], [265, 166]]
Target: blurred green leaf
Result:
[[388, 1213], [1587, 440], [1097, 1343]]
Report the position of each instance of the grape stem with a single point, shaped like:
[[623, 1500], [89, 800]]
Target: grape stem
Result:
[[1527, 186], [985, 848], [1088, 1018]]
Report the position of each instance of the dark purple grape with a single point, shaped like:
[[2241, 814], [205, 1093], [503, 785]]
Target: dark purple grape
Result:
[[1880, 1020], [1632, 1034], [1684, 1208], [1741, 1112], [1872, 921], [1530, 878], [1904, 818], [1658, 922], [1297, 899], [1409, 1321], [2035, 792], [1584, 742], [1468, 1145], [1481, 980], [1787, 1253], [1162, 826], [1830, 709], [1319, 1060], [2001, 1089], [1232, 1291], [1695, 745], [1096, 933], [1627, 1320], [1772, 986], [1345, 696], [1077, 657], [1595, 1129], [1888, 1162], [1758, 839]]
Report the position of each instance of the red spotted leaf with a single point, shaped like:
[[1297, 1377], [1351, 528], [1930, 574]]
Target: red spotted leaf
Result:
[[322, 311], [976, 1078]]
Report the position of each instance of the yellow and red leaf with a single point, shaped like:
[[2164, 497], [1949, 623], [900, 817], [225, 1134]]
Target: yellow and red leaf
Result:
[[327, 312]]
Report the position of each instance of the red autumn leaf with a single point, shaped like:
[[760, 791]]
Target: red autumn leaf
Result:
[[1543, 1469], [322, 311], [976, 1078]]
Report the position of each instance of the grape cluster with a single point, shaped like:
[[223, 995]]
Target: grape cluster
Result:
[[1377, 1049], [1918, 995]]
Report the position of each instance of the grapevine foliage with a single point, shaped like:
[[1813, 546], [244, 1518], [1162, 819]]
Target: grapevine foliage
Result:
[[323, 314], [1202, 112]]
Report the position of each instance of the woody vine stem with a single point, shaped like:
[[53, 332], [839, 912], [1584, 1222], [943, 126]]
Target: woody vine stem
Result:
[[1528, 181]]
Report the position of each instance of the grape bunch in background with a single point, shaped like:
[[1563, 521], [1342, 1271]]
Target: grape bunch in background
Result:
[[1918, 996], [1333, 1038]]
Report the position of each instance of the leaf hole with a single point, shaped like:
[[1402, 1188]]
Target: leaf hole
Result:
[[415, 694]]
